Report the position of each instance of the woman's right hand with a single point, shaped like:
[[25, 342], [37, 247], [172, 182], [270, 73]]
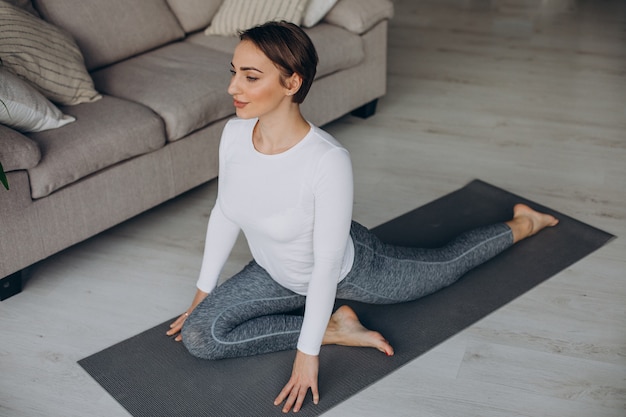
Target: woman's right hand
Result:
[[177, 325]]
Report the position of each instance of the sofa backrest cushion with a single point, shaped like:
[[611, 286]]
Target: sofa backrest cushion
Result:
[[359, 16], [337, 48], [108, 31], [194, 15]]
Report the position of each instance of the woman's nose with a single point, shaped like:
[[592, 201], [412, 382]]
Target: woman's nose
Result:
[[232, 87]]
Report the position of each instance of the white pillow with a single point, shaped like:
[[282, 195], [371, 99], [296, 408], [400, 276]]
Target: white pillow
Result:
[[315, 11], [28, 109], [234, 16]]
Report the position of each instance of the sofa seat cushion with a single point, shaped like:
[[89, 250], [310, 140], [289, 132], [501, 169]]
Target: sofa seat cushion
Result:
[[224, 44], [106, 132], [185, 84], [337, 48]]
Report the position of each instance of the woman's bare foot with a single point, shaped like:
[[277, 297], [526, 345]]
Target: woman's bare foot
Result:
[[527, 222], [345, 329]]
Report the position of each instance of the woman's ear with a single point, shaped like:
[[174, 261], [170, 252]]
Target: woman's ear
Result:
[[293, 84]]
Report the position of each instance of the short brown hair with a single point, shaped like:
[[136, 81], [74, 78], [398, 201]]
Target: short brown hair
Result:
[[289, 48]]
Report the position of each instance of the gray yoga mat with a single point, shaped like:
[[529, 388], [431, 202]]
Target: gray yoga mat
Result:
[[151, 375]]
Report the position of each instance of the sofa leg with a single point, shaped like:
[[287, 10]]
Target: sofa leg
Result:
[[11, 285], [366, 110]]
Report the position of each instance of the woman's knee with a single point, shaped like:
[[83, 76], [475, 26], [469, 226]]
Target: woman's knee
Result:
[[198, 340]]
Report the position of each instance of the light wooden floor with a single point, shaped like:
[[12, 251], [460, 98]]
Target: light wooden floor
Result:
[[529, 95]]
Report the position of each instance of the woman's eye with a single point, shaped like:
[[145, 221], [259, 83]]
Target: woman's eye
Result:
[[249, 78], [232, 72]]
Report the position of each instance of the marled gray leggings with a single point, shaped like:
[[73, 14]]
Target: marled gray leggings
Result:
[[247, 315]]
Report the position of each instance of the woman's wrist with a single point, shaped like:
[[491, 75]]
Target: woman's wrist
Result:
[[197, 299]]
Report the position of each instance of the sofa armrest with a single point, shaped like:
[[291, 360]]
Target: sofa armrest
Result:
[[17, 151], [359, 16]]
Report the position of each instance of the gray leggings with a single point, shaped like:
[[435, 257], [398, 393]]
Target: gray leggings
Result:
[[250, 313]]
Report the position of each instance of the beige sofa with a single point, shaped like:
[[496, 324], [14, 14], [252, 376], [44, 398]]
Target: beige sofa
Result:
[[154, 132]]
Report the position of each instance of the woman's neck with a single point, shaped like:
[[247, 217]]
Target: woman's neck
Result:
[[274, 135]]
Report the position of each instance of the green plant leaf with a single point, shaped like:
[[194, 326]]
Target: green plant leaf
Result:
[[3, 177], [5, 107]]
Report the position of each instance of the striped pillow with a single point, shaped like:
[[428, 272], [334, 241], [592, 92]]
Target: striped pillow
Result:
[[45, 56], [237, 15]]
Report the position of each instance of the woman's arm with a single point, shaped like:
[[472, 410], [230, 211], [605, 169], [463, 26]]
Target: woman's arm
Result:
[[333, 216], [221, 236], [176, 327], [220, 239], [331, 233]]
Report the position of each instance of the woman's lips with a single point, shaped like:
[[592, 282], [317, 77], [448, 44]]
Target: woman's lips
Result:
[[239, 104]]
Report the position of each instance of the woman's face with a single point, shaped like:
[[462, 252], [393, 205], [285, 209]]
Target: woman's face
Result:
[[255, 84]]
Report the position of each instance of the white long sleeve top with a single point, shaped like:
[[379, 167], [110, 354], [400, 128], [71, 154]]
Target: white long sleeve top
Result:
[[295, 209]]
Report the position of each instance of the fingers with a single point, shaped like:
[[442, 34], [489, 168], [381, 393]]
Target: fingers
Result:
[[295, 396], [179, 321], [177, 326], [303, 377], [295, 399], [316, 394], [288, 393], [283, 393]]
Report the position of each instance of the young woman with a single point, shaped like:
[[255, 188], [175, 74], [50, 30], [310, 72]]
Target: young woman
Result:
[[288, 186]]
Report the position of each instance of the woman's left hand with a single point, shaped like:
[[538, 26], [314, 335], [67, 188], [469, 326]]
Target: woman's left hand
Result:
[[303, 377]]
